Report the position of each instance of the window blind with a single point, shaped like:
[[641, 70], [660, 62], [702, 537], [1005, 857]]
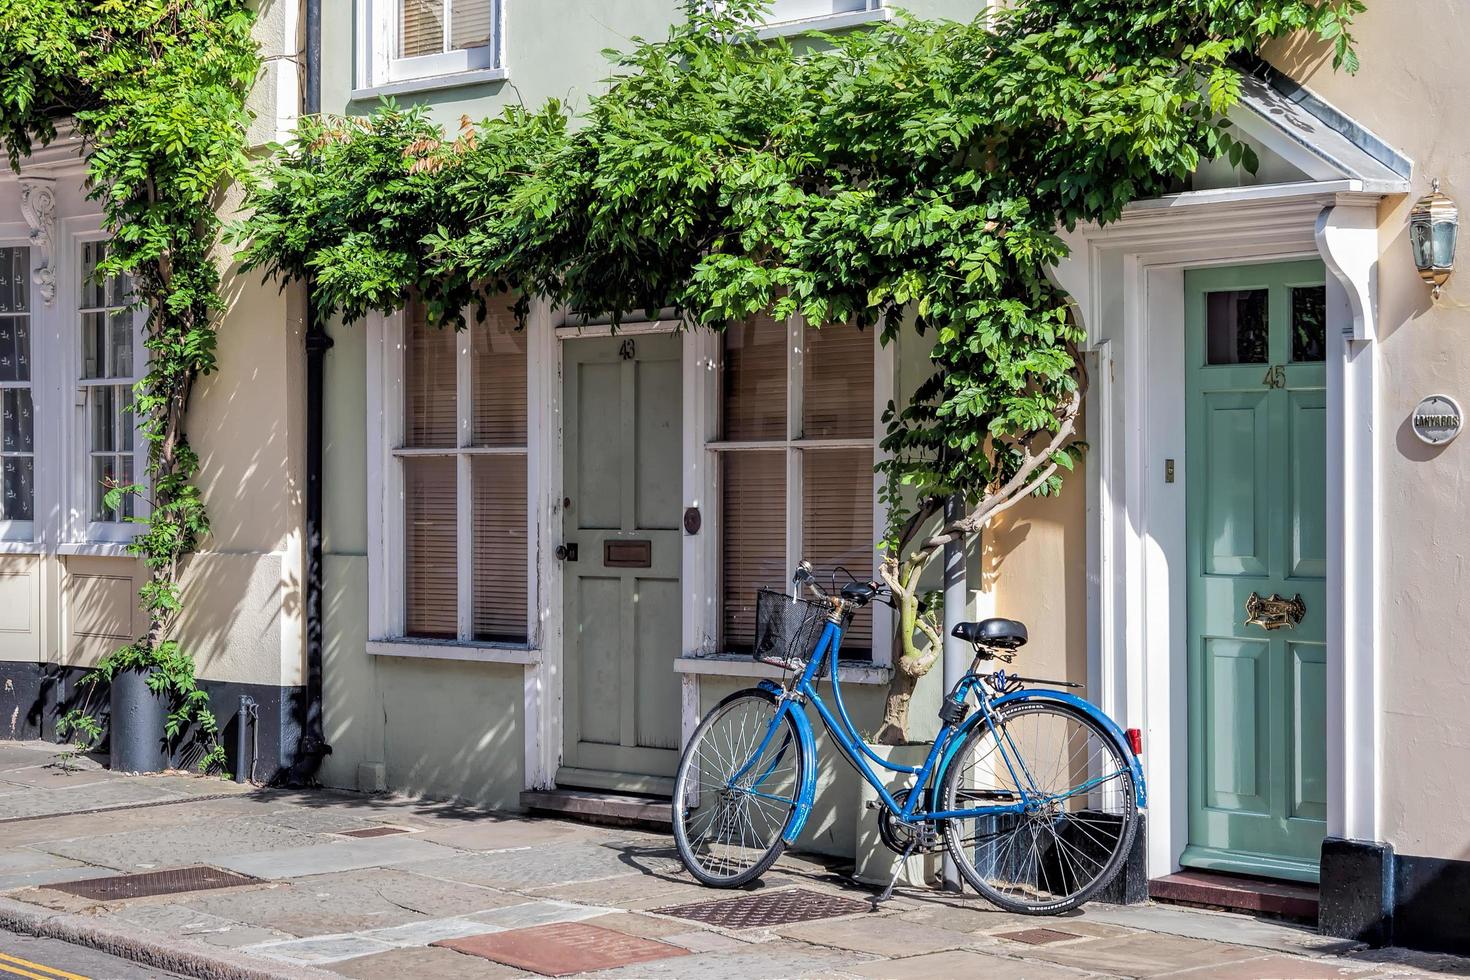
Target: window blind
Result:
[[837, 381], [755, 380], [430, 546], [429, 381], [500, 547], [470, 23], [499, 389], [421, 27], [753, 548], [837, 527]]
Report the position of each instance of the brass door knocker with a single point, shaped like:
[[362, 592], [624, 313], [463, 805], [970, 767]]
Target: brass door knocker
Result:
[[1274, 613]]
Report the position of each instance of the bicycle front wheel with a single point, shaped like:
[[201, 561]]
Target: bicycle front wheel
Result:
[[736, 790], [1080, 814]]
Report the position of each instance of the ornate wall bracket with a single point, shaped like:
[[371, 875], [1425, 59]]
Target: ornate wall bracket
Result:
[[38, 207], [1347, 238]]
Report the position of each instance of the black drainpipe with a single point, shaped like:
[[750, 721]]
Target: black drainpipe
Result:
[[313, 747]]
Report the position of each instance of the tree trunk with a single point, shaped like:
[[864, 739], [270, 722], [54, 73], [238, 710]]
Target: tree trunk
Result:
[[895, 730]]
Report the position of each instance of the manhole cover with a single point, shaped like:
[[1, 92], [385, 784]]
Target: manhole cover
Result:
[[1037, 937], [563, 948], [373, 832], [197, 878], [776, 908]]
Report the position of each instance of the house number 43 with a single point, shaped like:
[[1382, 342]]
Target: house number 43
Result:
[[1275, 376]]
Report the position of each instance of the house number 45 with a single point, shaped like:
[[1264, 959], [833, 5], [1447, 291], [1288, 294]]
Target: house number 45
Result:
[[1275, 376]]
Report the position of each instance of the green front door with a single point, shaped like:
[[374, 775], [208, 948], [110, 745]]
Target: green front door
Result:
[[623, 508], [1257, 427]]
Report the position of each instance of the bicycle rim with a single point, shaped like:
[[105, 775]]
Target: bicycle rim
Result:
[[735, 790], [1077, 832]]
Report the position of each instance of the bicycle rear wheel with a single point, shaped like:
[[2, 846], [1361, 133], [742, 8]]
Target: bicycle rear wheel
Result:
[[736, 790], [1075, 834]]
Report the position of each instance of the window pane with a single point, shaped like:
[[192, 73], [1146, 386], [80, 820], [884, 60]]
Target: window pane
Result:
[[15, 280], [112, 419], [470, 23], [1237, 327], [499, 380], [500, 548], [430, 547], [753, 537], [837, 383], [422, 27], [15, 348], [837, 528], [100, 293], [429, 381], [1309, 323], [19, 424], [15, 488], [802, 9], [755, 380], [109, 472]]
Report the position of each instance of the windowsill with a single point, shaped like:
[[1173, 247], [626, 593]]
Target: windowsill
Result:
[[483, 653], [738, 665], [95, 549], [22, 548], [832, 22], [431, 83]]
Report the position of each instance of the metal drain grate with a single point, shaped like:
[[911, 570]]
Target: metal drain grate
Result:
[[776, 908], [373, 832], [196, 878], [1037, 937]]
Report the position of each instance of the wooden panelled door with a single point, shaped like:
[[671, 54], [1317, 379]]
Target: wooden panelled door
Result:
[[623, 440], [1256, 492]]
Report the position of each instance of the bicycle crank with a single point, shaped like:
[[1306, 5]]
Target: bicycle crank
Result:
[[900, 837]]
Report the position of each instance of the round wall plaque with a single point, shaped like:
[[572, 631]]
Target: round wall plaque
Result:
[[1437, 419]]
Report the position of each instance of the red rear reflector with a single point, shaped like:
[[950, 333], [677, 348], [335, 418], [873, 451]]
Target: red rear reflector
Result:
[[1135, 740]]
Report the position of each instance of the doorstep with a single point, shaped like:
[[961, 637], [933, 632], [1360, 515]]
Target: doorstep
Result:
[[601, 807], [1237, 893]]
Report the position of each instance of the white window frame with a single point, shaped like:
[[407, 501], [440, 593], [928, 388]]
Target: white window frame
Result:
[[381, 72], [387, 568], [874, 11], [792, 446], [80, 531], [15, 235]]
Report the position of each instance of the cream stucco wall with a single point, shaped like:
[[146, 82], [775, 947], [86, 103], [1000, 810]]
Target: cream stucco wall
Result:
[[1412, 91]]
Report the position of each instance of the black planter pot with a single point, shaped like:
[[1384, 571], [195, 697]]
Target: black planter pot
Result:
[[136, 730]]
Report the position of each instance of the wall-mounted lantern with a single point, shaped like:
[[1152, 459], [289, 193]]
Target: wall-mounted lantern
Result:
[[1434, 223]]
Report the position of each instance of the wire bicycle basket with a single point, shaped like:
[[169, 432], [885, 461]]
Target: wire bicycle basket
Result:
[[786, 628]]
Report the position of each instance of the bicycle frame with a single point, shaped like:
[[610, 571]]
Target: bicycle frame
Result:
[[851, 744]]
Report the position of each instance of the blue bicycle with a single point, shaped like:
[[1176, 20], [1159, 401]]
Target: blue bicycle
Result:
[[1035, 795]]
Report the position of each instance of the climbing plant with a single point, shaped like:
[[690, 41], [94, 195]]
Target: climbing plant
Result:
[[156, 90], [913, 173]]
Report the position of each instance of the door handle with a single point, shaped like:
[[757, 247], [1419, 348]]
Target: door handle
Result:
[[1274, 613], [566, 552]]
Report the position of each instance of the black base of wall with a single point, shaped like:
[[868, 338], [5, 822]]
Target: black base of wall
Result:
[[1131, 886], [34, 696], [1375, 896]]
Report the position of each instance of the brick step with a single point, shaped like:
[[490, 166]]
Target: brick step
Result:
[[1237, 893], [601, 807]]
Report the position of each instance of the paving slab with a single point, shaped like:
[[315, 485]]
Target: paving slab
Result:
[[350, 902], [1217, 926], [639, 892], [1281, 968], [49, 776], [44, 801], [426, 932], [436, 962], [531, 867], [880, 935], [776, 959], [647, 926], [345, 854], [195, 842], [538, 913], [323, 949], [961, 963], [565, 948], [181, 920], [1142, 955], [54, 876]]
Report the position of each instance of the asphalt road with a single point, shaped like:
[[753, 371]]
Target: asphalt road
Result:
[[48, 959]]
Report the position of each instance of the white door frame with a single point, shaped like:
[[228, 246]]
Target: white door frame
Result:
[[1127, 280]]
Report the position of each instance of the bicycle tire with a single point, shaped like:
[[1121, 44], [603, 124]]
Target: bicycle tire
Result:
[[765, 702], [955, 844]]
